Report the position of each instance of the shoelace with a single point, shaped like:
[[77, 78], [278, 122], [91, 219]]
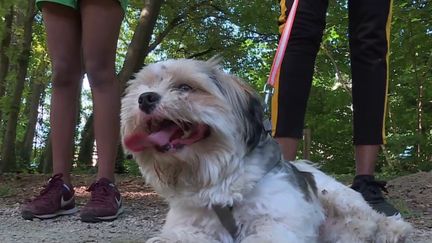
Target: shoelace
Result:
[[99, 192], [46, 192]]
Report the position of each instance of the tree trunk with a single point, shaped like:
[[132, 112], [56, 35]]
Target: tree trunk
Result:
[[32, 110], [420, 94], [8, 162], [307, 141], [4, 58], [45, 160], [119, 165], [420, 126], [86, 147], [136, 52], [77, 118]]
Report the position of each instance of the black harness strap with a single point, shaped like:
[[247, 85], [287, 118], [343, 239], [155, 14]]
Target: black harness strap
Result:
[[226, 218], [224, 213]]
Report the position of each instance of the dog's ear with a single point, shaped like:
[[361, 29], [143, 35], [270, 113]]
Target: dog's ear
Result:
[[214, 61], [240, 94], [254, 116]]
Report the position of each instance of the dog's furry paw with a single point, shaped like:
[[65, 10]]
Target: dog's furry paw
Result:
[[393, 230]]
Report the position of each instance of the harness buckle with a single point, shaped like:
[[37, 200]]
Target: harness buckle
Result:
[[268, 93]]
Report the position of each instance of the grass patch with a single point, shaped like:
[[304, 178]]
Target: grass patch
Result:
[[6, 191], [345, 179], [348, 178], [402, 206]]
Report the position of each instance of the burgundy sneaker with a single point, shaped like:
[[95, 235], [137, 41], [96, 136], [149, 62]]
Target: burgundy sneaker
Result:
[[105, 203], [54, 200]]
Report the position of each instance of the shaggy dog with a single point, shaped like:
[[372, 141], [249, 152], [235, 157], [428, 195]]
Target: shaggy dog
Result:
[[197, 135]]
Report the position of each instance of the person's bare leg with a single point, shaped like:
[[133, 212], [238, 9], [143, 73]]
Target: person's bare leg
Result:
[[101, 20], [288, 147], [365, 158], [64, 45]]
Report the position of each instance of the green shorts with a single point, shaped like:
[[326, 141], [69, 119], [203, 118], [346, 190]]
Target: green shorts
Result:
[[74, 3]]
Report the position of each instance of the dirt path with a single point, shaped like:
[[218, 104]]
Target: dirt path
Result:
[[145, 211]]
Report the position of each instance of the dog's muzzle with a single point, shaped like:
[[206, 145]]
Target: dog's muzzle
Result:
[[147, 101], [164, 135]]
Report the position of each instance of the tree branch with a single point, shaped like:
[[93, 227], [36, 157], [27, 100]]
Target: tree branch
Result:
[[338, 73]]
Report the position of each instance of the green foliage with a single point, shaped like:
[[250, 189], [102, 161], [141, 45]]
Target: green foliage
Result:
[[132, 167], [244, 37], [6, 190], [329, 118], [245, 34], [329, 114]]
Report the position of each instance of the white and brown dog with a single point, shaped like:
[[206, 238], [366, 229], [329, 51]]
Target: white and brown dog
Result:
[[197, 135]]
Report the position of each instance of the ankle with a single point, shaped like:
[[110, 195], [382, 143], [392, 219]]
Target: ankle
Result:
[[365, 159], [288, 147]]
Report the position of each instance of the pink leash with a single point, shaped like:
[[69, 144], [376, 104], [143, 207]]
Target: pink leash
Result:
[[277, 62], [283, 42]]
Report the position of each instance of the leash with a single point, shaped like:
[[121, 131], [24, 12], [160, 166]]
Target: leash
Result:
[[224, 213], [276, 65]]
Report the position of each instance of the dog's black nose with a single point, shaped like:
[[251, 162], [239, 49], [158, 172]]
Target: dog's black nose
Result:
[[148, 101]]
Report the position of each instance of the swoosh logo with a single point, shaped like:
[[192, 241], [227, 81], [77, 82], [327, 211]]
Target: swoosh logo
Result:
[[64, 203], [118, 201]]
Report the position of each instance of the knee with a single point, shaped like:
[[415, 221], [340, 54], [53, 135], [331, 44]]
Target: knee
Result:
[[306, 40], [65, 75], [100, 74]]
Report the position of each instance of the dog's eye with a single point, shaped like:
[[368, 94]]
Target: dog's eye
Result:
[[183, 87]]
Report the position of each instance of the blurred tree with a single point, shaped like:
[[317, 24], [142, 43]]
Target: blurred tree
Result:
[[8, 159], [245, 34]]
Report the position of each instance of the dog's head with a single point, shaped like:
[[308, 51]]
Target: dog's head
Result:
[[184, 110]]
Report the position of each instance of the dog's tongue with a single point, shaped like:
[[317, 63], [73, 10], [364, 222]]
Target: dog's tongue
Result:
[[139, 141]]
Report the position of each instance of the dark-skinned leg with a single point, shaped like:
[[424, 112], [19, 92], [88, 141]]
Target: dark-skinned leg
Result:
[[63, 28], [295, 77], [101, 20], [288, 147], [101, 25], [365, 159], [369, 32]]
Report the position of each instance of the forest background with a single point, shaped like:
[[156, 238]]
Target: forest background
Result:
[[245, 34]]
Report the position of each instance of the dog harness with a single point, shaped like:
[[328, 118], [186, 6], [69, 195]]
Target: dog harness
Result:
[[226, 218], [225, 213]]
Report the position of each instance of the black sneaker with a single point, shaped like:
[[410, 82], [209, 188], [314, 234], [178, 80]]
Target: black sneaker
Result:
[[371, 191]]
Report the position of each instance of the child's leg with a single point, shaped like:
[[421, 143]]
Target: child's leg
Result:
[[101, 22], [63, 28]]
